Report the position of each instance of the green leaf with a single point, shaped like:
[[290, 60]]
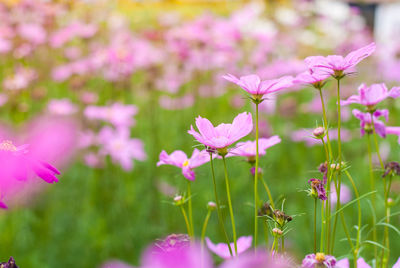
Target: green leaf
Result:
[[351, 202]]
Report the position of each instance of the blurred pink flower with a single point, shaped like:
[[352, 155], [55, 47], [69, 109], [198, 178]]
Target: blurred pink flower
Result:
[[394, 131], [223, 135], [314, 78], [61, 107], [121, 148], [372, 95], [34, 33], [177, 257], [248, 148], [257, 260], [366, 121], [335, 64], [344, 263], [20, 80], [118, 114], [19, 164], [254, 86], [179, 159], [222, 250], [183, 102], [306, 136], [345, 194], [75, 29]]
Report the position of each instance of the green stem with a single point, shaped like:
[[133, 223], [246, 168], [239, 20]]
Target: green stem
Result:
[[359, 214], [220, 220], [387, 219], [373, 197], [266, 235], [256, 185], [325, 124], [186, 221], [339, 180], [228, 193], [268, 193], [273, 244], [315, 225], [203, 230], [321, 246], [190, 206], [283, 243]]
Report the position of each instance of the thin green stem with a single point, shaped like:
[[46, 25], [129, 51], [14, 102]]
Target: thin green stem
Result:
[[274, 244], [228, 193], [321, 244], [339, 180], [315, 225], [220, 219], [373, 197], [256, 185], [325, 123], [203, 230], [186, 221], [359, 210], [268, 193], [266, 234], [283, 243], [190, 210]]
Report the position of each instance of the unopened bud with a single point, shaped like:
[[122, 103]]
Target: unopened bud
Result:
[[178, 200], [390, 202], [319, 132], [277, 232], [211, 205]]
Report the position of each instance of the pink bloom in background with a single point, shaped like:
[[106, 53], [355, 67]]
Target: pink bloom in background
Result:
[[345, 194], [311, 77], [121, 148], [260, 259], [222, 250], [34, 33], [394, 131], [314, 260], [344, 263], [248, 148], [22, 78], [366, 121], [116, 264], [223, 135], [372, 95], [169, 103], [118, 114], [61, 107], [253, 85], [176, 257], [336, 63], [179, 159]]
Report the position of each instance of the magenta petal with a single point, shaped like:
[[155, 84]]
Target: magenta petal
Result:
[[3, 205]]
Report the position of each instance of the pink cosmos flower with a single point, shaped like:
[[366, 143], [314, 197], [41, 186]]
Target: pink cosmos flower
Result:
[[179, 159], [338, 64], [254, 86], [345, 194], [121, 148], [34, 33], [366, 121], [372, 95], [177, 257], [314, 78], [248, 148], [394, 131], [318, 260], [222, 250], [344, 263], [61, 107], [223, 135], [118, 114], [18, 164], [259, 259]]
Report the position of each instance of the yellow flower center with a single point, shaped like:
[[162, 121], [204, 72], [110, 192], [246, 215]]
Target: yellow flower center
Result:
[[186, 163], [7, 146], [320, 257]]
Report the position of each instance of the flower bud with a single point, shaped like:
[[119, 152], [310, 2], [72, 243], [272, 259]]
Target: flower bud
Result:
[[319, 132], [178, 200], [211, 206], [277, 232], [390, 202]]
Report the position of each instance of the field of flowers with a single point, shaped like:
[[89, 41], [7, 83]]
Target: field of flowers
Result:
[[214, 137]]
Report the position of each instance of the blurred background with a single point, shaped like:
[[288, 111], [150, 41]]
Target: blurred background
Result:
[[107, 85]]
